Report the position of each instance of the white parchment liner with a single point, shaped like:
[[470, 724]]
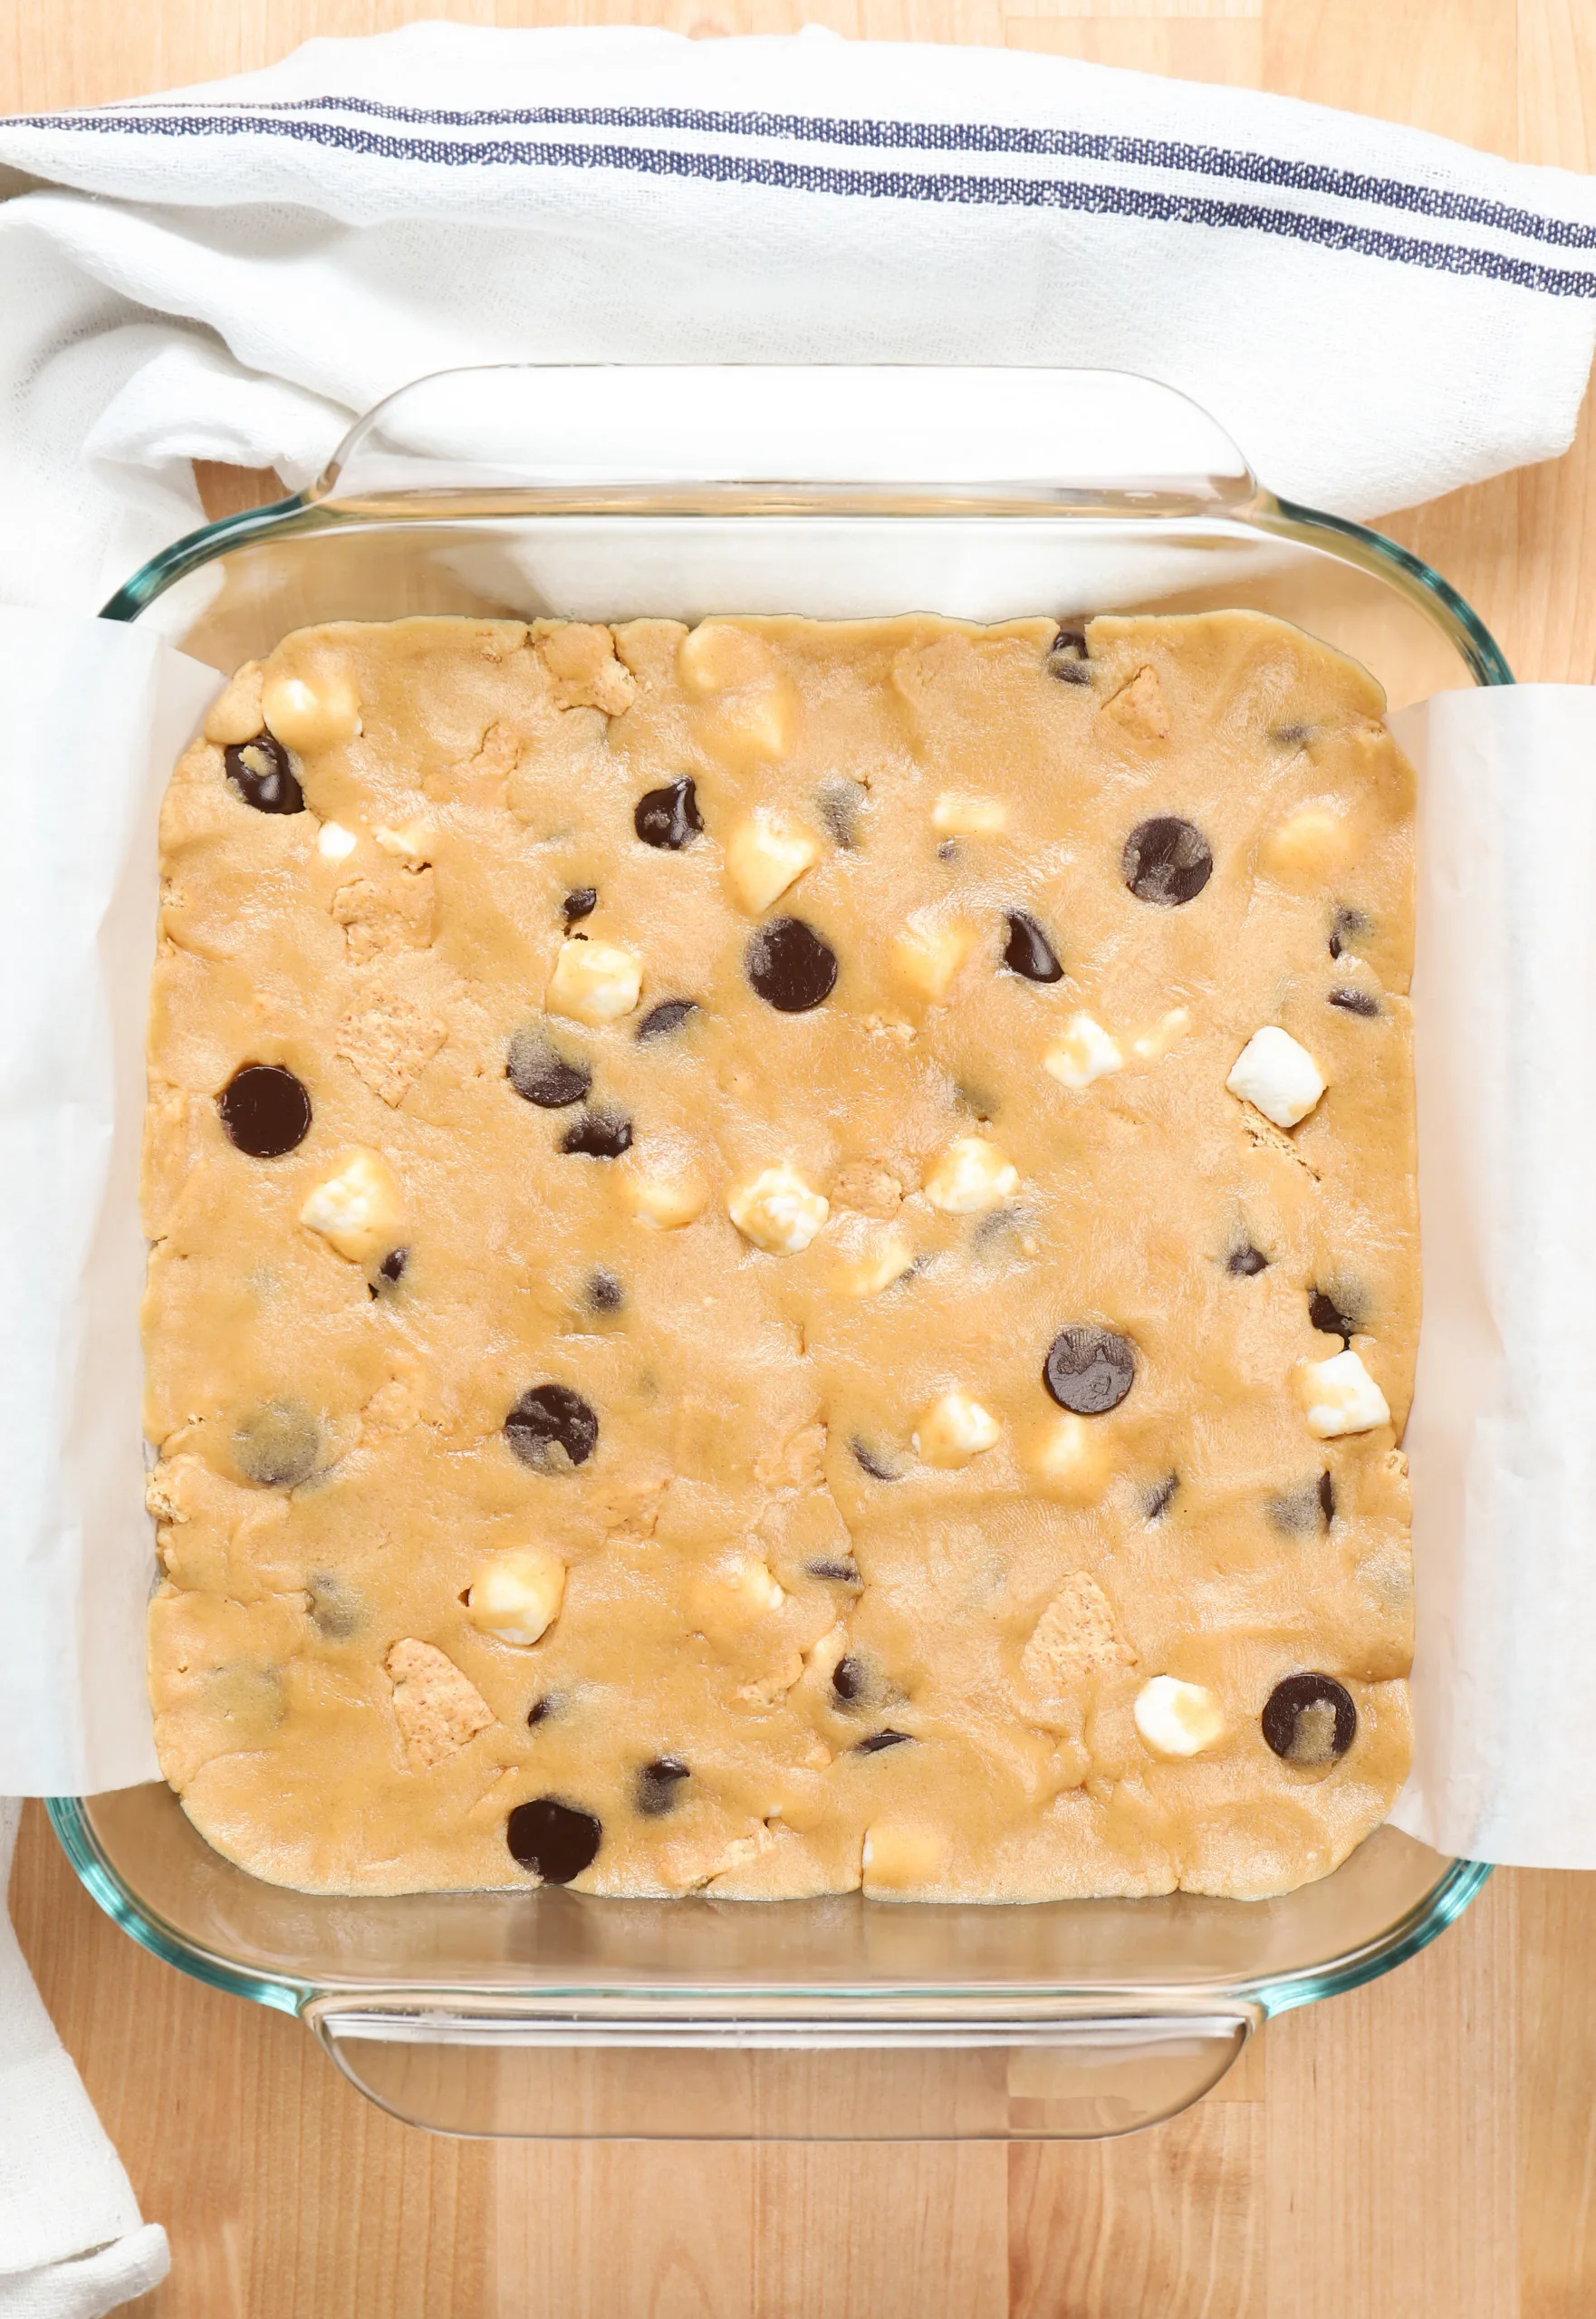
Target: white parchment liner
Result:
[[1502, 1436]]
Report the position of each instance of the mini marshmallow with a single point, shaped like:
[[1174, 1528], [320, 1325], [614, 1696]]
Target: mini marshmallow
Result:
[[1277, 1076], [1311, 843], [778, 1211], [408, 842], [357, 1211], [666, 1202], [334, 842], [1070, 1457], [955, 815], [516, 1597], [954, 1429], [1178, 1718], [887, 1259], [718, 654], [765, 855], [305, 716], [593, 982], [1340, 1396], [928, 953], [731, 1596], [970, 1176], [1163, 1036], [1085, 1052], [896, 1857]]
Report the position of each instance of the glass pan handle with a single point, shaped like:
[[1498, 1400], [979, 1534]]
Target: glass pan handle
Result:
[[856, 2080]]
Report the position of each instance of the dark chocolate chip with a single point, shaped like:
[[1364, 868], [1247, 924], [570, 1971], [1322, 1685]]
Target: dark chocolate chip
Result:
[[668, 1017], [1355, 1002], [1296, 1512], [552, 1428], [389, 1272], [1066, 657], [334, 1613], [1089, 1370], [277, 1447], [654, 1789], [604, 1292], [846, 1574], [850, 1678], [1246, 1262], [1349, 925], [1328, 1317], [872, 1462], [538, 1709], [1166, 860], [840, 804], [579, 903], [1290, 736], [541, 1076], [260, 772], [599, 1135], [264, 1110], [880, 1739], [553, 1840], [1327, 1495], [790, 966], [1158, 1498], [1029, 952], [1310, 1719], [947, 851], [669, 817]]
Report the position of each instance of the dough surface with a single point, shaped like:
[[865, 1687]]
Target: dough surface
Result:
[[703, 1479]]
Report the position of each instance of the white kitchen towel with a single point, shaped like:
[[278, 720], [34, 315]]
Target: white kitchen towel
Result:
[[71, 2245], [1376, 314]]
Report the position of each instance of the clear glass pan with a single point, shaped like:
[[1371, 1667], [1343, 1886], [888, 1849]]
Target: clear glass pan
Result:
[[840, 494]]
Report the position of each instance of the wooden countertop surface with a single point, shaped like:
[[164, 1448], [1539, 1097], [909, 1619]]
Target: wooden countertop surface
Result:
[[1425, 2146]]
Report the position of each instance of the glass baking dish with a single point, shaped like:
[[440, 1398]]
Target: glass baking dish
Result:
[[612, 493]]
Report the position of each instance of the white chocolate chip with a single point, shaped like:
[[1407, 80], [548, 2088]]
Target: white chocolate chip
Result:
[[954, 1429], [1085, 1052], [928, 953], [667, 1202], [1311, 843], [593, 982], [733, 1595], [956, 815], [1277, 1076], [1071, 1457], [885, 1260], [778, 1211], [970, 1176], [896, 1857], [516, 1597], [1178, 1718], [410, 841], [765, 855], [1163, 1036], [334, 842], [358, 1210], [306, 717], [1340, 1396]]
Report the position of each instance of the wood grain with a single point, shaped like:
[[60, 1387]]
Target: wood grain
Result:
[[1425, 2145]]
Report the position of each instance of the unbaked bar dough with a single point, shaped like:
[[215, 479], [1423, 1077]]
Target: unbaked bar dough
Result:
[[784, 1256]]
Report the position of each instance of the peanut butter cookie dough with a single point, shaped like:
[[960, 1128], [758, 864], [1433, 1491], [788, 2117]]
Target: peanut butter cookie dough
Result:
[[784, 1256]]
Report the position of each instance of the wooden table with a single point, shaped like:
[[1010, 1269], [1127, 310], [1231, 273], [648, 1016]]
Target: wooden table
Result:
[[1424, 2147]]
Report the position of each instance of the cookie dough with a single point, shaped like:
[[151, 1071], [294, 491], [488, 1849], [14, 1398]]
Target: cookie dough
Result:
[[784, 1256]]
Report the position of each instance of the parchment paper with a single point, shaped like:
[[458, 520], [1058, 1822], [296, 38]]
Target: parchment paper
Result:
[[93, 716], [1502, 1435]]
